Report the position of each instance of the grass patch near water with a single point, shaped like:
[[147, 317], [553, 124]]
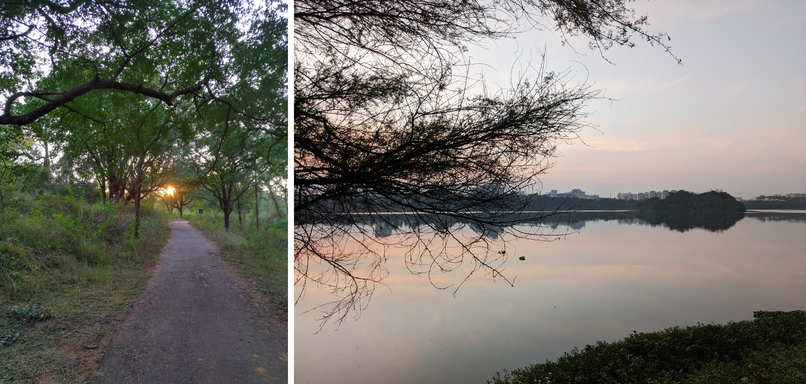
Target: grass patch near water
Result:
[[769, 349]]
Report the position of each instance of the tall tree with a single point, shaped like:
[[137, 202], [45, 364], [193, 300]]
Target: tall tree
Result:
[[128, 149], [240, 139], [385, 119], [227, 160]]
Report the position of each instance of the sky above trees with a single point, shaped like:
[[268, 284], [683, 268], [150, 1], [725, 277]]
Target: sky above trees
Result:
[[731, 117]]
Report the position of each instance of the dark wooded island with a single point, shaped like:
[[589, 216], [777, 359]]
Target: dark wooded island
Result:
[[684, 202]]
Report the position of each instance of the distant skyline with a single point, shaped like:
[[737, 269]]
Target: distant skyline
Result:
[[732, 117], [547, 190]]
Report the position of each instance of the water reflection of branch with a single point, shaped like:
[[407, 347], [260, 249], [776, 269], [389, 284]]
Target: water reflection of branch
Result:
[[346, 253], [338, 253]]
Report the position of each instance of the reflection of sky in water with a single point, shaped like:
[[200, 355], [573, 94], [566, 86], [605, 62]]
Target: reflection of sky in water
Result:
[[598, 284]]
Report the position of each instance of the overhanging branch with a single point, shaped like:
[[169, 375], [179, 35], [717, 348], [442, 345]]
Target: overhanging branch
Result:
[[95, 84]]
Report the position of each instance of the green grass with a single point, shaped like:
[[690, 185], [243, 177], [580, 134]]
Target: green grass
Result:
[[69, 273], [769, 349], [261, 254], [777, 364]]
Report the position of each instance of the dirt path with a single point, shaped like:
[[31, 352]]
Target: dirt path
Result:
[[191, 325]]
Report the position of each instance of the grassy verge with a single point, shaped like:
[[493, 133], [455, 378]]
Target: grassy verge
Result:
[[769, 349], [69, 272], [262, 254]]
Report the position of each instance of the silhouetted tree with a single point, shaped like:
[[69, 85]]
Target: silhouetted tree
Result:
[[386, 119]]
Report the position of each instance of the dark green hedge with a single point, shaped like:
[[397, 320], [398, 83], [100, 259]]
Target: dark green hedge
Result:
[[673, 354]]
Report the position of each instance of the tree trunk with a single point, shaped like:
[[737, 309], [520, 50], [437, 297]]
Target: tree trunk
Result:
[[102, 182], [227, 210], [257, 206], [137, 211], [138, 186], [47, 156], [276, 206], [114, 188], [239, 208]]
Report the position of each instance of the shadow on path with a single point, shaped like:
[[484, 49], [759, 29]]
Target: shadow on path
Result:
[[191, 325]]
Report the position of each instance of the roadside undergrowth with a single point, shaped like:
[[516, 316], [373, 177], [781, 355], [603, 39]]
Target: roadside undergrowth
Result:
[[69, 273], [261, 253]]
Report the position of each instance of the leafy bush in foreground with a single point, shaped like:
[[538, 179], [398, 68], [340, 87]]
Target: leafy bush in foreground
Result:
[[9, 335], [703, 353]]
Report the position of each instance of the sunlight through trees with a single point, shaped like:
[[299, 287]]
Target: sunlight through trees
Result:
[[131, 97]]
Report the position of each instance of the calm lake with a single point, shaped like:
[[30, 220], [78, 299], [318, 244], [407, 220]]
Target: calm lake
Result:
[[603, 280]]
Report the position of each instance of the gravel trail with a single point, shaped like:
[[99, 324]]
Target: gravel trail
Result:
[[192, 325]]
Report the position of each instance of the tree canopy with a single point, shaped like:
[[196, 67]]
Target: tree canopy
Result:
[[164, 50]]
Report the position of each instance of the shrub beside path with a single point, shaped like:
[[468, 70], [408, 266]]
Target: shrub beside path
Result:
[[192, 325]]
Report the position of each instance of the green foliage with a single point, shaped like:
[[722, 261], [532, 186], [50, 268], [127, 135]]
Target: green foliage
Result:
[[137, 44], [60, 233], [13, 145], [708, 353], [9, 335], [31, 312], [245, 155], [61, 255]]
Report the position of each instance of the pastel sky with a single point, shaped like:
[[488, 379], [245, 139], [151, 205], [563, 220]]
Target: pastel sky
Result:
[[731, 117]]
